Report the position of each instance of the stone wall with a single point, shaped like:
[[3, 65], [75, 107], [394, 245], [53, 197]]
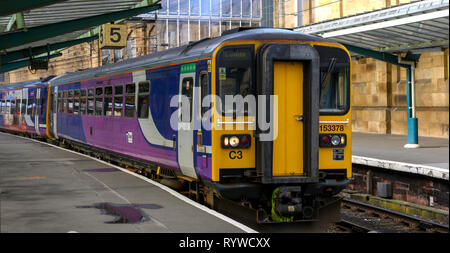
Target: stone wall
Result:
[[379, 96]]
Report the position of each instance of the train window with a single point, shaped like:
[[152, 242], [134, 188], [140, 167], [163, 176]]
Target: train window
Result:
[[90, 109], [76, 102], [60, 101], [334, 91], [186, 90], [108, 105], [18, 105], [70, 102], [234, 76], [33, 106], [30, 106], [98, 100], [204, 84], [23, 107], [42, 110], [65, 101], [83, 103], [143, 99], [118, 100], [8, 106], [13, 106], [130, 99]]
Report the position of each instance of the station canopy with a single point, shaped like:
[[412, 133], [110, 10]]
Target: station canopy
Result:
[[415, 27], [40, 26]]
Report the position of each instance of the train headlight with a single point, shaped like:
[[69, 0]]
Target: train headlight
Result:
[[234, 141], [226, 141], [335, 140]]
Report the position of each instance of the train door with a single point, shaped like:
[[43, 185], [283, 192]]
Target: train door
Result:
[[287, 152], [37, 110], [288, 87], [185, 143], [54, 111]]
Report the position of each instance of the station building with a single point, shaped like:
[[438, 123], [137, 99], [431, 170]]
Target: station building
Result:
[[378, 88]]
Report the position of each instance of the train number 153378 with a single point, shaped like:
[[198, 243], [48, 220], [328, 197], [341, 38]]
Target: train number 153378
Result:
[[331, 128]]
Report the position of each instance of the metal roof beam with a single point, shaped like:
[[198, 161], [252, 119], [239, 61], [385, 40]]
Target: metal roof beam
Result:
[[389, 23], [51, 30], [13, 6], [94, 31], [20, 64], [386, 57], [19, 54]]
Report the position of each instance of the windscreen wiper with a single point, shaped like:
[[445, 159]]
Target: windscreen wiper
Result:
[[330, 68]]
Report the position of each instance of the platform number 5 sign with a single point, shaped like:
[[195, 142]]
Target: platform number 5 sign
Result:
[[112, 36]]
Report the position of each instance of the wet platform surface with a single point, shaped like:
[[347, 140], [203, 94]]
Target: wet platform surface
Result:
[[431, 158], [46, 189]]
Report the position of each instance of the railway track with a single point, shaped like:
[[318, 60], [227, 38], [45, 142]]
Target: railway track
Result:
[[360, 217]]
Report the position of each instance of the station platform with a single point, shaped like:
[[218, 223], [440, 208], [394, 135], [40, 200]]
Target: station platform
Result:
[[387, 151], [44, 188]]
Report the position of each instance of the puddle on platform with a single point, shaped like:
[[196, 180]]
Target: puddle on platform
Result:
[[102, 170], [124, 213]]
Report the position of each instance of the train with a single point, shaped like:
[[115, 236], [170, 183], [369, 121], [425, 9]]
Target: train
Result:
[[257, 116]]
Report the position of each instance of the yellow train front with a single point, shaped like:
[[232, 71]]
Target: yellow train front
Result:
[[281, 122]]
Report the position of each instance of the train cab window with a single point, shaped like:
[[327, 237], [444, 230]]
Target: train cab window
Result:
[[70, 102], [204, 84], [130, 98], [76, 101], [108, 104], [186, 90], [143, 99], [234, 76], [334, 80], [90, 109], [98, 100], [83, 101], [118, 100]]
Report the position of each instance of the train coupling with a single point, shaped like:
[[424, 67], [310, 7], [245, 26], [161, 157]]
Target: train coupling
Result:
[[288, 205]]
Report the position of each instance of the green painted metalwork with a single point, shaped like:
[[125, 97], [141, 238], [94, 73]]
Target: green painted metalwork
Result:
[[20, 22], [20, 64], [386, 57], [11, 23], [13, 6], [51, 30], [19, 54]]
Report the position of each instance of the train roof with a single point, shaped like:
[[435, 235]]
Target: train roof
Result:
[[27, 84], [20, 85], [195, 50]]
